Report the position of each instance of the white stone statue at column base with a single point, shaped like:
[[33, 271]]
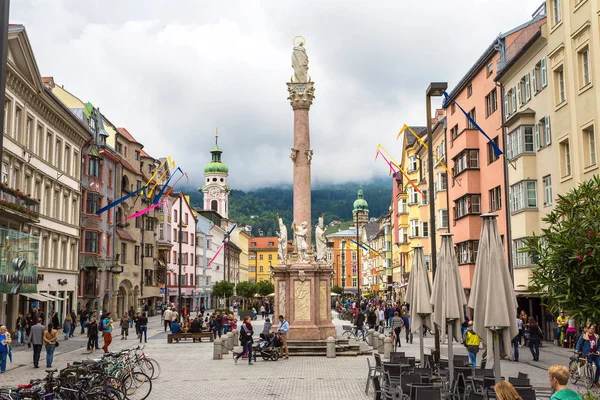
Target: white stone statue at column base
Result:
[[282, 238], [320, 242], [301, 236]]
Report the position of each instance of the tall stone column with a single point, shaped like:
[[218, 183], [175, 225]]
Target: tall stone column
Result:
[[301, 96]]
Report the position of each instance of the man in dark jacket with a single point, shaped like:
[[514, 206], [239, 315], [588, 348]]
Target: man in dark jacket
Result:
[[196, 327], [360, 322], [406, 320], [83, 317]]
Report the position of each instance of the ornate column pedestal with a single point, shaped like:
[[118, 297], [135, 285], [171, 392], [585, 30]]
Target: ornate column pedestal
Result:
[[303, 297]]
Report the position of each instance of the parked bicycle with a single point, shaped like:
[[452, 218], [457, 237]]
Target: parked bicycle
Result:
[[581, 369]]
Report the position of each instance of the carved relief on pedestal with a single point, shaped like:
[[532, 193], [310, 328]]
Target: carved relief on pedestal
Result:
[[324, 302], [301, 95], [281, 295], [302, 300]]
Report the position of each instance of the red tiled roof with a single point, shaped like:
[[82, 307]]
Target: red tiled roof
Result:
[[124, 235], [144, 154], [127, 135], [263, 243]]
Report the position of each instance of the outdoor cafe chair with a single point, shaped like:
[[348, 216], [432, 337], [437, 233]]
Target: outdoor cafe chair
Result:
[[429, 361], [523, 375], [374, 371], [391, 388], [393, 371], [424, 393], [377, 391], [519, 382], [475, 396], [395, 356], [526, 392], [415, 387], [408, 380], [460, 361]]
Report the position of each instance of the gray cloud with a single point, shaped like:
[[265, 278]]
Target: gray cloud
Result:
[[173, 71]]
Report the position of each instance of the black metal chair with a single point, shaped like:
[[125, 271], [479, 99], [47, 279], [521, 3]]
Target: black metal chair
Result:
[[416, 387], [424, 393], [391, 388], [526, 392], [443, 364], [519, 381], [460, 361], [408, 380], [394, 372], [429, 363], [523, 375], [422, 371], [374, 371], [377, 391], [395, 355], [475, 396]]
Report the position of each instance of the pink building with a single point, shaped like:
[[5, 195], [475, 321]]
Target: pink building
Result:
[[178, 213], [478, 186]]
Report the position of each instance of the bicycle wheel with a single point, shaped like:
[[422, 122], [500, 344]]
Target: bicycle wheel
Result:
[[588, 379], [346, 334], [146, 367], [573, 372], [137, 386], [156, 366]]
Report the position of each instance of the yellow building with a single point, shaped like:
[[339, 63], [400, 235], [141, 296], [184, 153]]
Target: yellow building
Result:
[[243, 243], [440, 186], [262, 254]]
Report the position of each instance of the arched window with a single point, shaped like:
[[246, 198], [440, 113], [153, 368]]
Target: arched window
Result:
[[214, 205], [125, 184]]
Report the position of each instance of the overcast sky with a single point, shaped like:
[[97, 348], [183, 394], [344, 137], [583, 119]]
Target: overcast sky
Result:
[[171, 71]]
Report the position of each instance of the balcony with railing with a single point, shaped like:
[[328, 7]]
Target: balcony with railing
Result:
[[18, 205]]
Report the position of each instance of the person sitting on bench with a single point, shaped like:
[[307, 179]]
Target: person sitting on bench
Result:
[[196, 327]]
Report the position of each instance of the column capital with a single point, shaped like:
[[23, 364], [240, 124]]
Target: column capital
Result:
[[301, 95]]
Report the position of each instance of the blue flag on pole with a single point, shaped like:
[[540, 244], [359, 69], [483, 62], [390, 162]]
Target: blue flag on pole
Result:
[[497, 151]]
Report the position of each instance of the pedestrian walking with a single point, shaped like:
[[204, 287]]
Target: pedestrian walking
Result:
[[36, 338], [535, 335], [505, 391], [136, 323], [67, 326], [5, 340], [107, 325], [472, 343], [167, 318], [143, 327], [406, 320], [83, 315], [397, 325], [246, 340], [20, 327], [28, 324], [73, 323], [125, 322], [131, 315], [218, 323], [588, 346], [92, 333], [262, 311], [282, 330], [50, 340], [558, 375]]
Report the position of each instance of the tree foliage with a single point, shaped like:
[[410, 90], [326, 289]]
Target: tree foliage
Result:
[[566, 253], [337, 289], [246, 289], [223, 289], [265, 288]]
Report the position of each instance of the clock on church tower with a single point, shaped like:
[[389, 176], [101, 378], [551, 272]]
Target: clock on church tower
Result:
[[215, 189]]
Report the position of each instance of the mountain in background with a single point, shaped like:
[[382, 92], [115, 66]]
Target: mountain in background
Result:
[[259, 208]]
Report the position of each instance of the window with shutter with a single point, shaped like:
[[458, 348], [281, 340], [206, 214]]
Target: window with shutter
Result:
[[513, 99], [519, 94], [548, 138], [527, 88], [543, 73], [537, 136], [534, 80], [506, 106]]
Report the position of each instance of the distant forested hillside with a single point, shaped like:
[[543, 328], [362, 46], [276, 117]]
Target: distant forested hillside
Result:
[[260, 207]]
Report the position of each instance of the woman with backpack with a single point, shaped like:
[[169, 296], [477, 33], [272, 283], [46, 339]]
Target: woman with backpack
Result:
[[535, 335], [246, 340]]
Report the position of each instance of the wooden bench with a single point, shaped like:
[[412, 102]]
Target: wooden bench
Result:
[[198, 335]]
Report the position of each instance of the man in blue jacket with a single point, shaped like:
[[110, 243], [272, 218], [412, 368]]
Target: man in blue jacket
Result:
[[588, 346], [406, 320]]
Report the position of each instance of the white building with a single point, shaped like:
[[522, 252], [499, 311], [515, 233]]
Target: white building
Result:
[[41, 189]]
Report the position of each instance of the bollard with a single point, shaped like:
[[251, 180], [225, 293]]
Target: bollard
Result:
[[387, 347], [225, 344], [217, 350], [375, 342], [330, 347], [230, 340], [236, 338], [370, 333], [380, 348]]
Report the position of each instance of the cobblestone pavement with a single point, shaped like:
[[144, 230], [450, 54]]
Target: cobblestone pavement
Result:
[[188, 368]]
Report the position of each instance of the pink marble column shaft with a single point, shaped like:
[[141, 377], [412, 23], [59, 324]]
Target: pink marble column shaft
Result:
[[302, 169]]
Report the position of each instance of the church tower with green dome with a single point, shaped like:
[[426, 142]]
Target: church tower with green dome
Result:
[[215, 189], [362, 209]]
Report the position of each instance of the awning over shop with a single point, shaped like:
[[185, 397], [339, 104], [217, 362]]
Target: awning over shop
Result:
[[35, 296], [52, 297]]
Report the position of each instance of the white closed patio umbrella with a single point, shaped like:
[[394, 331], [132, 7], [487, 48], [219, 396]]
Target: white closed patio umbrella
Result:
[[418, 295], [492, 295], [448, 296]]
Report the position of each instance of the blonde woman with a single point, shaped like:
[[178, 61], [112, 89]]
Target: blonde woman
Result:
[[67, 326], [505, 391], [50, 340], [5, 340]]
